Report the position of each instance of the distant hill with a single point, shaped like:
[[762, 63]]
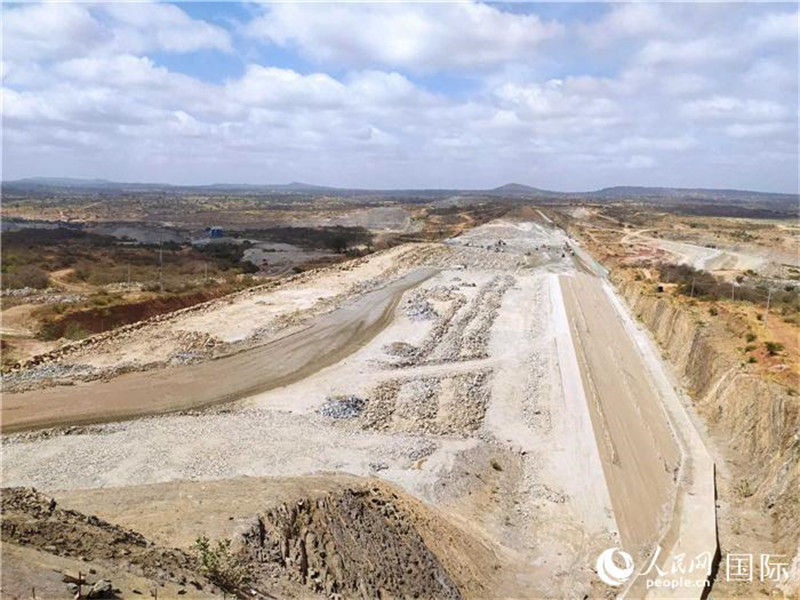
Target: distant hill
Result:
[[519, 189], [661, 196], [293, 186], [624, 192]]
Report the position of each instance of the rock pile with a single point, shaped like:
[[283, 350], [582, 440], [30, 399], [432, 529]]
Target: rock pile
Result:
[[34, 520], [356, 543], [436, 405], [46, 296], [458, 333], [21, 380], [342, 407], [418, 308]]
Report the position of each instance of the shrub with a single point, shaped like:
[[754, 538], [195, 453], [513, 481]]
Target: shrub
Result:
[[750, 337], [219, 565], [713, 311], [743, 488], [26, 276], [49, 331], [73, 331], [773, 348]]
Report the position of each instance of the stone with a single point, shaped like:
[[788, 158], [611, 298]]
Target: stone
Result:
[[101, 589]]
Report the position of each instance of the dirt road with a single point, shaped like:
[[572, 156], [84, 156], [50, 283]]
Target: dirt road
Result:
[[289, 358], [660, 476], [639, 453]]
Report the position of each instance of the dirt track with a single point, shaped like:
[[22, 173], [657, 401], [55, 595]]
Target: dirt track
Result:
[[639, 453], [289, 358]]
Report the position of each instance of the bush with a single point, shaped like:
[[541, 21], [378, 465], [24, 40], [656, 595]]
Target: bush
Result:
[[750, 337], [73, 331], [773, 348], [219, 565], [26, 276], [743, 488], [713, 311]]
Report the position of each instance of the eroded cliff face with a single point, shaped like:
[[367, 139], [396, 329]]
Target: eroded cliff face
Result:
[[756, 419]]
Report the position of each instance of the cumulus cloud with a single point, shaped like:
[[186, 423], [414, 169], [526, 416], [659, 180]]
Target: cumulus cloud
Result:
[[415, 36], [60, 30], [42, 31], [148, 25], [727, 107], [405, 95]]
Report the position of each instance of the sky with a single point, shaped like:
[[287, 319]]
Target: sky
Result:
[[563, 96]]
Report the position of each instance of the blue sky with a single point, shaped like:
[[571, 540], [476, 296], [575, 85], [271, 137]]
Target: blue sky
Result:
[[565, 96]]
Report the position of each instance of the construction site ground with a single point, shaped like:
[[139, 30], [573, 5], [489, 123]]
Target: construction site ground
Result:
[[491, 385]]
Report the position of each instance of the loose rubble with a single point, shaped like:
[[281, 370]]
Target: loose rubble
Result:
[[342, 407]]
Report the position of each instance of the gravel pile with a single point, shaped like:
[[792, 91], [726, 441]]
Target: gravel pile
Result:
[[418, 308], [452, 406], [18, 381], [185, 358], [46, 296], [460, 334], [402, 349], [26, 291], [342, 407]]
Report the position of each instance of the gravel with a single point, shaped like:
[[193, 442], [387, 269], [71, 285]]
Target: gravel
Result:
[[342, 407], [48, 372], [418, 308]]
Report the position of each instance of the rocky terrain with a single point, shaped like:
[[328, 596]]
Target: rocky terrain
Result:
[[311, 546]]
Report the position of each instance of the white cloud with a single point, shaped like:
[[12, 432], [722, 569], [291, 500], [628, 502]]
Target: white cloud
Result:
[[146, 25], [639, 161], [777, 27], [61, 30], [421, 37], [43, 31], [679, 143], [556, 99], [727, 107], [763, 130], [693, 52], [273, 87], [423, 95], [628, 20]]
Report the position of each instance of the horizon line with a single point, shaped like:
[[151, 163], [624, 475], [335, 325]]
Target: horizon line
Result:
[[100, 180]]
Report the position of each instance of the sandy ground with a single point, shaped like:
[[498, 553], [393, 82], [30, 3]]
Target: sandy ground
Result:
[[474, 396], [275, 258], [719, 259], [17, 320]]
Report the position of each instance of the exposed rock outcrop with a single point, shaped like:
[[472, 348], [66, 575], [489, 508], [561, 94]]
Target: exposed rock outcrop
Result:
[[758, 418]]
